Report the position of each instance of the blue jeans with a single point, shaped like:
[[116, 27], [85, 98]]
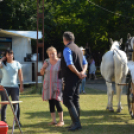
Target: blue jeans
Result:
[[82, 86]]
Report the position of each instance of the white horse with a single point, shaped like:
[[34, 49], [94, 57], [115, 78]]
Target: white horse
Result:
[[114, 65]]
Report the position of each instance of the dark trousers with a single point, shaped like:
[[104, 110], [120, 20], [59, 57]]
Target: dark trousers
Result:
[[52, 104], [71, 92], [14, 92]]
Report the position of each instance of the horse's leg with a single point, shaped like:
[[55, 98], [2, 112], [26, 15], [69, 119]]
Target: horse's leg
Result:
[[107, 71], [118, 92], [120, 77], [110, 93]]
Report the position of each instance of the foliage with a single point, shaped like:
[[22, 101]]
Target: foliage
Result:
[[88, 22]]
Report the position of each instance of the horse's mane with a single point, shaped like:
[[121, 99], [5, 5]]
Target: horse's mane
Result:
[[115, 45]]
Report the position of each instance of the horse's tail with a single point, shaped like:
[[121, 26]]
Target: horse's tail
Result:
[[123, 71], [122, 60]]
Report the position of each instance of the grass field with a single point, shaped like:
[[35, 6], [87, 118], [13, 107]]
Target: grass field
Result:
[[95, 119]]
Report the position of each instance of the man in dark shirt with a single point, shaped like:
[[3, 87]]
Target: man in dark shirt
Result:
[[73, 68]]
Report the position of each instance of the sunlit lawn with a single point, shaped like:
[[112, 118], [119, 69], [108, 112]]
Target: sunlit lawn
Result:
[[95, 119]]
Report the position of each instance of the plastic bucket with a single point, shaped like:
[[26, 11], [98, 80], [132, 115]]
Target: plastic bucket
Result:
[[3, 127]]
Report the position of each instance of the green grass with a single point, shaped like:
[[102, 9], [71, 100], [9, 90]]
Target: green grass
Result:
[[95, 119]]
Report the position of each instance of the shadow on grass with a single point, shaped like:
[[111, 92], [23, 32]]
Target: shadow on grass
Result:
[[105, 115], [91, 122], [87, 127]]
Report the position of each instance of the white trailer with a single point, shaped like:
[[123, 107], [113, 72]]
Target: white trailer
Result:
[[20, 43]]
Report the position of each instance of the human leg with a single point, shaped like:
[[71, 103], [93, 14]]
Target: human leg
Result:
[[76, 100], [52, 111], [68, 100], [80, 88], [75, 118], [75, 111], [3, 108], [60, 113], [18, 112], [94, 75], [67, 96], [15, 97]]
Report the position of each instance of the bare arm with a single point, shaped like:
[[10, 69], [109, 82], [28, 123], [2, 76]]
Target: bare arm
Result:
[[2, 59], [42, 71], [74, 70], [20, 74], [84, 69]]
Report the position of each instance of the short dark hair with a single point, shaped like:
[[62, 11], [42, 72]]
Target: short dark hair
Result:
[[69, 36]]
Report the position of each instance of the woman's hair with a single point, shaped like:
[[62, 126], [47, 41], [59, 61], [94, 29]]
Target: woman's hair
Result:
[[9, 51], [51, 49]]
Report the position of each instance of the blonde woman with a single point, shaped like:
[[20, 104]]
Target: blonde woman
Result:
[[52, 86]]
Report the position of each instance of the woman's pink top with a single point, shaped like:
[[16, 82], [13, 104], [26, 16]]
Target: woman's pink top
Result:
[[52, 86]]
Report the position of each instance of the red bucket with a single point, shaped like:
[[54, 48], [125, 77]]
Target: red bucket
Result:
[[3, 127]]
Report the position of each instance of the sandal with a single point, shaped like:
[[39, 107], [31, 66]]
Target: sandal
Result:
[[52, 123], [60, 124]]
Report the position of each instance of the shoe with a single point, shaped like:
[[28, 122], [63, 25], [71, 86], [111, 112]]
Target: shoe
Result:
[[60, 124], [78, 111], [75, 118], [70, 125], [75, 127], [52, 123]]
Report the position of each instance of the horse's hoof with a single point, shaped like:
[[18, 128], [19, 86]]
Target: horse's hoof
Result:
[[130, 112], [132, 116], [107, 108], [118, 110], [110, 109]]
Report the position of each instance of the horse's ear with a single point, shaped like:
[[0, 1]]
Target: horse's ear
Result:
[[121, 41], [128, 35], [111, 40]]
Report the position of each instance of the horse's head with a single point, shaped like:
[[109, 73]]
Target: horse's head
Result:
[[129, 46], [115, 44]]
